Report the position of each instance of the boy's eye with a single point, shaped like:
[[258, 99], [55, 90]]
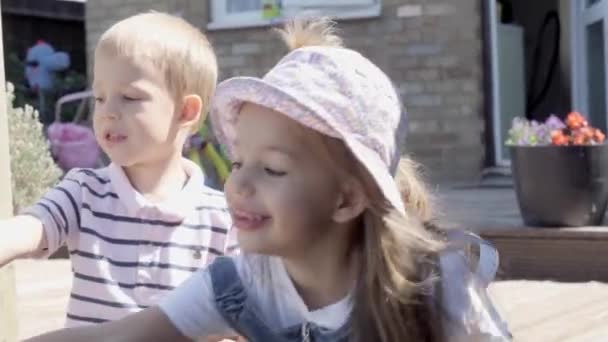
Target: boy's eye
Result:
[[99, 99], [236, 165], [129, 98], [274, 173]]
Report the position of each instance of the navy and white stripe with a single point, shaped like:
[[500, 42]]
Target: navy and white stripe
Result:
[[128, 256]]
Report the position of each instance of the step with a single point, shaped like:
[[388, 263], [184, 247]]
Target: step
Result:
[[562, 254]]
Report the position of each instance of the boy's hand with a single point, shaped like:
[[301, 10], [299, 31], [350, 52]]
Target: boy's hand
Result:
[[22, 236]]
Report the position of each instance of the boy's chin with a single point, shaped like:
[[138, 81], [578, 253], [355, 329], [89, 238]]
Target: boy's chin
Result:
[[122, 160]]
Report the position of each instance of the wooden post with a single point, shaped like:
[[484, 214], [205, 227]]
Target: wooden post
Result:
[[8, 312]]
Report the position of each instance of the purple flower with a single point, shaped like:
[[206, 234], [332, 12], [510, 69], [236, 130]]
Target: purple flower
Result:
[[532, 133], [554, 123]]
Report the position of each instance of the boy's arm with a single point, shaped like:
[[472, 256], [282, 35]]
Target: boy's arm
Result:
[[46, 225], [189, 310], [22, 236], [148, 325]]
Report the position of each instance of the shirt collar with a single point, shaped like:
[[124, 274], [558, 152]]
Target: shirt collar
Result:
[[174, 208]]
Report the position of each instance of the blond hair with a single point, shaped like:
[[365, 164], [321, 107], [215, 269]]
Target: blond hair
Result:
[[398, 252], [178, 49]]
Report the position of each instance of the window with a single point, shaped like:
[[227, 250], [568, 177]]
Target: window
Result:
[[250, 13], [325, 3]]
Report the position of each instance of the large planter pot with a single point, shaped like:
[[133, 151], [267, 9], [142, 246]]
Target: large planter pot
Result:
[[559, 186]]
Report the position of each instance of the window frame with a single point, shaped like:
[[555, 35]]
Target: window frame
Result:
[[584, 15], [219, 19]]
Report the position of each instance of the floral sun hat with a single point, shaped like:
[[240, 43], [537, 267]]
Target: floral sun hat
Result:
[[333, 90]]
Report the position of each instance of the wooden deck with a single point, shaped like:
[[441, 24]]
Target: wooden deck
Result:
[[564, 254], [536, 311]]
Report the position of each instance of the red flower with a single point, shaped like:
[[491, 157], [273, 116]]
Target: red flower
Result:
[[559, 138], [575, 120]]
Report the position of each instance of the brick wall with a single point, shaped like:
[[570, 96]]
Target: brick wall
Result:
[[432, 50]]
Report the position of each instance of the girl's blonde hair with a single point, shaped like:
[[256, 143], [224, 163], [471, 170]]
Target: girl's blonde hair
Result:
[[397, 251]]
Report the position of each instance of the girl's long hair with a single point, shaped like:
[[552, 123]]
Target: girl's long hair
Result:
[[398, 252]]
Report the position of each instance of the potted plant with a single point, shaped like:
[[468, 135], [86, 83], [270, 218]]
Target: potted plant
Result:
[[560, 171]]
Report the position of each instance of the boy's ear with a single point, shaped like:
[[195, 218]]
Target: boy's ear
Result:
[[192, 106]]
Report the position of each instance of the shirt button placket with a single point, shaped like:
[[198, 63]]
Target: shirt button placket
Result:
[[145, 257]]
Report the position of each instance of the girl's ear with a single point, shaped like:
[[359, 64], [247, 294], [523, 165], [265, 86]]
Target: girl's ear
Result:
[[191, 110], [352, 202]]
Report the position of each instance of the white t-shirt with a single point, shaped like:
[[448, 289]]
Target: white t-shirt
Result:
[[191, 308], [467, 311]]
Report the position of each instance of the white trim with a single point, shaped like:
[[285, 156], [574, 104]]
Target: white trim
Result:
[[595, 12], [219, 14], [356, 12], [491, 14], [582, 17], [577, 58], [325, 3]]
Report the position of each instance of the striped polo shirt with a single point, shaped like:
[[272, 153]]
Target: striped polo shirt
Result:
[[126, 252]]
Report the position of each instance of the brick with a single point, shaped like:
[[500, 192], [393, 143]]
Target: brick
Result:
[[222, 50], [439, 139], [423, 126], [244, 72], [441, 61], [425, 152], [408, 11], [459, 72], [432, 51], [408, 88], [448, 86], [462, 126], [439, 9], [408, 37], [231, 61], [425, 100], [423, 49], [405, 62], [246, 48], [422, 75], [471, 86]]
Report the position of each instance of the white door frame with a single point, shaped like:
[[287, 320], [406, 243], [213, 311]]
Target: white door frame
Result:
[[491, 14], [582, 16]]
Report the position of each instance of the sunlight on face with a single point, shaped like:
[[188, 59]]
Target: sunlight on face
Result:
[[135, 113], [281, 192]]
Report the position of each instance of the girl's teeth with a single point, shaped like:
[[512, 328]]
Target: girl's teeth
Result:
[[251, 217]]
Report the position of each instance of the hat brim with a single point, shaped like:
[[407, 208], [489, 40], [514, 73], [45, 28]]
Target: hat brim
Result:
[[231, 94]]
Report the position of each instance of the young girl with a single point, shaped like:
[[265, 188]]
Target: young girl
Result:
[[333, 249]]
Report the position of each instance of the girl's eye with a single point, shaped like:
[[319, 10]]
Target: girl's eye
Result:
[[98, 99], [129, 98], [274, 173], [236, 165]]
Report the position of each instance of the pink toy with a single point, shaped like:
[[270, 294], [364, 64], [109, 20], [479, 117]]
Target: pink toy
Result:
[[73, 145]]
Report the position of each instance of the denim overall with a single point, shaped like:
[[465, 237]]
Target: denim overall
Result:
[[239, 310]]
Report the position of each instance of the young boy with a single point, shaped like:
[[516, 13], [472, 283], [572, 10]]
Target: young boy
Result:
[[141, 226]]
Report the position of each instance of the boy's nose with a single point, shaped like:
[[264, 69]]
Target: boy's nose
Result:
[[112, 115], [110, 111]]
